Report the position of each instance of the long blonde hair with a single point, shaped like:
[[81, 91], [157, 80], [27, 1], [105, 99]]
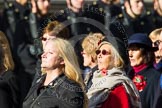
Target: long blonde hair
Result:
[[71, 69], [7, 59]]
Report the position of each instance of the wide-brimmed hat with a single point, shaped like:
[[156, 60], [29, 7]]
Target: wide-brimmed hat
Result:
[[143, 39]]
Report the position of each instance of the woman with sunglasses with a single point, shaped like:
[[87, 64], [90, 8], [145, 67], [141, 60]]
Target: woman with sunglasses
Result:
[[142, 72], [154, 36], [111, 88], [54, 29]]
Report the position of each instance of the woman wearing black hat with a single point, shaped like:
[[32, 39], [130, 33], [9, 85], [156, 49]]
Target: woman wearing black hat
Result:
[[144, 76]]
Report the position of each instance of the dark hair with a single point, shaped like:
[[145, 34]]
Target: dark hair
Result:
[[147, 53]]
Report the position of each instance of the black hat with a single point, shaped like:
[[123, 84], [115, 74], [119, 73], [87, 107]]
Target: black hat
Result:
[[143, 39]]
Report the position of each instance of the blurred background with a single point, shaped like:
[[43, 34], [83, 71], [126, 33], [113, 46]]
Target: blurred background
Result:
[[61, 4]]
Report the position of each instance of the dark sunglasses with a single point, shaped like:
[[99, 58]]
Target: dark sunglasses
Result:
[[104, 52], [43, 38], [156, 43]]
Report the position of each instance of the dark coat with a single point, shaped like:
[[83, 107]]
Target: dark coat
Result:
[[157, 19], [149, 94], [5, 95], [141, 24], [12, 81], [60, 93]]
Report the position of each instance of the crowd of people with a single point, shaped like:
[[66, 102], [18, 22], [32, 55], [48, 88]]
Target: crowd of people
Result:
[[97, 54]]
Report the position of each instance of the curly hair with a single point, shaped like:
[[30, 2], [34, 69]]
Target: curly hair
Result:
[[90, 43]]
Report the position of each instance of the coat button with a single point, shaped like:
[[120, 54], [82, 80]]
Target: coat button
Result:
[[33, 99]]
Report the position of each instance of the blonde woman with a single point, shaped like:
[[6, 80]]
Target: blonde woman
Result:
[[154, 36], [89, 45], [62, 85]]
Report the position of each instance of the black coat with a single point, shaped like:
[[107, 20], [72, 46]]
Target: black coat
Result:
[[149, 95], [157, 19], [141, 24], [60, 93], [5, 95], [12, 81]]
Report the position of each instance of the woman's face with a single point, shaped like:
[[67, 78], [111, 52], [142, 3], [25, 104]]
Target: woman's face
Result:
[[157, 53], [104, 57], [160, 44], [135, 56], [87, 59], [50, 57]]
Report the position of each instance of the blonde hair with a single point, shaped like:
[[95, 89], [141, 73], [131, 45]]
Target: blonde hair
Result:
[[117, 60], [7, 59], [90, 44], [71, 69], [155, 34]]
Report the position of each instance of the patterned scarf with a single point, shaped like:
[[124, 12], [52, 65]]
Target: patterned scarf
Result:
[[103, 83]]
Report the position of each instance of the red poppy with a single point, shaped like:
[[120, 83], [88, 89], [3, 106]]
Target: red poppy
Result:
[[140, 82], [104, 72]]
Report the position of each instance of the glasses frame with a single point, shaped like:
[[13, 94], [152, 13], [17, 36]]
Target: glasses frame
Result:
[[103, 52], [43, 38], [157, 43]]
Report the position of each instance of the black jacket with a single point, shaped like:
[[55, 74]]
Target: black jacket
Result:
[[141, 24], [60, 93], [157, 19], [149, 95], [12, 81], [5, 95]]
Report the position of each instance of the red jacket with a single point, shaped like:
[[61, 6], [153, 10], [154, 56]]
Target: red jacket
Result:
[[118, 98]]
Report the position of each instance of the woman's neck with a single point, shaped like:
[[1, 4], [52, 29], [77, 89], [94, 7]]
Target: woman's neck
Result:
[[139, 68], [51, 75], [92, 65]]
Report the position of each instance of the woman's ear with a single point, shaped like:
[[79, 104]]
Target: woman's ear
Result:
[[61, 60]]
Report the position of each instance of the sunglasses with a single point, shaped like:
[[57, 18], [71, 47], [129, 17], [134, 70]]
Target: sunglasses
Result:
[[43, 38], [103, 52], [157, 43]]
